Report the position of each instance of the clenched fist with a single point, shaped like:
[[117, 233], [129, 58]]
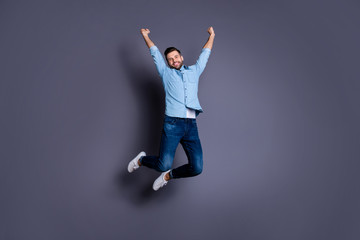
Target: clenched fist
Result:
[[211, 31], [144, 31]]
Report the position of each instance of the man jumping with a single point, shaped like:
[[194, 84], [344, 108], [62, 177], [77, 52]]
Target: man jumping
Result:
[[181, 109]]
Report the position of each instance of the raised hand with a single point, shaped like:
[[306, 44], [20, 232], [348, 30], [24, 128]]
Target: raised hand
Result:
[[210, 40], [211, 31], [145, 31]]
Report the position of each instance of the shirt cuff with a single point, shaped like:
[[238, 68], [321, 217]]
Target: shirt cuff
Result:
[[153, 48], [206, 50]]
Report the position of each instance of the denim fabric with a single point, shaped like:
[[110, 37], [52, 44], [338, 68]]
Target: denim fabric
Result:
[[181, 86], [175, 131]]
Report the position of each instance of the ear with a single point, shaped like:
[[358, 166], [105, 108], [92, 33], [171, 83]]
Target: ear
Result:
[[182, 58]]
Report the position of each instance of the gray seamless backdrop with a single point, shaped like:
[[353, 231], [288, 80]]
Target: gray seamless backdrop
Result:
[[80, 97]]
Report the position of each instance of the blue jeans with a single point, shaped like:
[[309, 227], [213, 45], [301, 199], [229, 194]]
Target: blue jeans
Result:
[[175, 131]]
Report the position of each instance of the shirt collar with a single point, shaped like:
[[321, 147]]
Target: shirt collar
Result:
[[184, 67]]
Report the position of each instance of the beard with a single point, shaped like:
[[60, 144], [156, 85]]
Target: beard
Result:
[[177, 67]]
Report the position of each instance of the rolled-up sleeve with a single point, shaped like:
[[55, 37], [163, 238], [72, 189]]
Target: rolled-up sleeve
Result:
[[158, 59], [202, 60]]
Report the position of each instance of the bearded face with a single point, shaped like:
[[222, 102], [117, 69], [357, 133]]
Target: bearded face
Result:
[[174, 59]]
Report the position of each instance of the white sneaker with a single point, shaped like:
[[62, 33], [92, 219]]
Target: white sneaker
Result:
[[133, 164], [160, 181]]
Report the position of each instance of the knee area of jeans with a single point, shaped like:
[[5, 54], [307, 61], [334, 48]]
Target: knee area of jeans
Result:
[[165, 163], [164, 167], [197, 169]]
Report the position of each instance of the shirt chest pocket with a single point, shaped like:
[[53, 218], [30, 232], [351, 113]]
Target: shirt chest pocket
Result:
[[191, 76]]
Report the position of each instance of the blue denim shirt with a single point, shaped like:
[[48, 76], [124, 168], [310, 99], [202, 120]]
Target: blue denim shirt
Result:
[[181, 86]]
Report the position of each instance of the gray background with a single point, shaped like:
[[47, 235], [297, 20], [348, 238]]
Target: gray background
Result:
[[80, 97]]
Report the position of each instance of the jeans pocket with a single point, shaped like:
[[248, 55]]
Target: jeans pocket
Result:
[[170, 120]]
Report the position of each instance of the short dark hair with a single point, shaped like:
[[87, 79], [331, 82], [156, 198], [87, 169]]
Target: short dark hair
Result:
[[169, 50]]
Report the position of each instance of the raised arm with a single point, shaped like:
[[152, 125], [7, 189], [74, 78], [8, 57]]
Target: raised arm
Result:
[[145, 33], [205, 52], [210, 40], [154, 51]]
